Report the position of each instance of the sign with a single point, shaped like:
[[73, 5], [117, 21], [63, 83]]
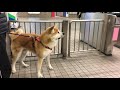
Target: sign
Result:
[[115, 34]]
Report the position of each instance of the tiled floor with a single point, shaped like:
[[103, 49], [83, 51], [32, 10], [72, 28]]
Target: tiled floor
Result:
[[83, 65], [80, 65]]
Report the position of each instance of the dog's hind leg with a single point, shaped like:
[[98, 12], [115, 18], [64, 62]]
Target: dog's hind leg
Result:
[[24, 52], [39, 67], [16, 53], [49, 64]]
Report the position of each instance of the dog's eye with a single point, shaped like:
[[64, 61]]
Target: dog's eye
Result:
[[58, 32]]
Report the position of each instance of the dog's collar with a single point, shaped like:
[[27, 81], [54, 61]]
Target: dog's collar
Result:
[[38, 39]]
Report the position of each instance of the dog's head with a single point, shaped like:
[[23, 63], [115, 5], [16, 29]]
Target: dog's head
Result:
[[54, 33]]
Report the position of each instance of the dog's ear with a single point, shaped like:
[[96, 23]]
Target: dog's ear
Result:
[[51, 29]]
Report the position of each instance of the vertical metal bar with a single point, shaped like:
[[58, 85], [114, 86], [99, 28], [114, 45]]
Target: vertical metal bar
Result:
[[88, 34], [30, 27], [79, 38], [35, 32], [35, 28], [25, 27], [64, 41], [58, 40], [50, 24], [13, 24], [31, 65], [74, 36], [69, 41], [18, 23], [54, 23], [84, 36], [101, 36], [30, 32], [45, 25], [97, 35], [93, 33], [40, 27], [54, 47]]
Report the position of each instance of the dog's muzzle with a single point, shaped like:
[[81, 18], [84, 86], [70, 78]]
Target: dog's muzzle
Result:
[[62, 35]]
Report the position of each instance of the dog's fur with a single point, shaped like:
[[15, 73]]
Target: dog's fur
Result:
[[21, 44]]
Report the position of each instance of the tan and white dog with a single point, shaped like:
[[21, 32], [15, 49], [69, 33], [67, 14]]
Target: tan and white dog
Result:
[[41, 45]]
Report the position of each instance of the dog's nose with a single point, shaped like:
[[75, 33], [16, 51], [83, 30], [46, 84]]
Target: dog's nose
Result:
[[63, 33]]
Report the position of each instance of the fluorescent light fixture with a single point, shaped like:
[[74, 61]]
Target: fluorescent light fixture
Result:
[[33, 12]]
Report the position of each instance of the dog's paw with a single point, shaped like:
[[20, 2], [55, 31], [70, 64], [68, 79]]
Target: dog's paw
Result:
[[25, 65], [13, 71], [50, 67], [40, 76]]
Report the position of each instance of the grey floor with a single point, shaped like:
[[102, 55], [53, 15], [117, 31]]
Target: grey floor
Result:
[[80, 65], [89, 64]]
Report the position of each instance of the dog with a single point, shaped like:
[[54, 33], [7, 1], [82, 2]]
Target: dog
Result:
[[41, 45]]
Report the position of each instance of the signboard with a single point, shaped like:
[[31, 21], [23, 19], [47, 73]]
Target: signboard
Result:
[[115, 34]]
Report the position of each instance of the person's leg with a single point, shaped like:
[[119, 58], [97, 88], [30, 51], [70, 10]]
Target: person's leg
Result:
[[5, 65], [77, 13]]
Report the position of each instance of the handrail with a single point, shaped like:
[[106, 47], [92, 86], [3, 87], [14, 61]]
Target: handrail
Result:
[[37, 21], [88, 20]]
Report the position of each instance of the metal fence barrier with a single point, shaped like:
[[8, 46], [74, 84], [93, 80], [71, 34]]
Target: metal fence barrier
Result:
[[85, 35], [80, 35], [38, 27]]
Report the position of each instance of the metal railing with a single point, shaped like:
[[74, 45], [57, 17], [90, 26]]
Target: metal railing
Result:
[[38, 27], [85, 35], [80, 35]]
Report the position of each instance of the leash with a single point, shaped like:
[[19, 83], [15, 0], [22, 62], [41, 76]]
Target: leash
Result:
[[34, 38], [38, 39]]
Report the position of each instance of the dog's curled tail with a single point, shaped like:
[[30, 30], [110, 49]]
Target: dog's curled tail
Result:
[[18, 31]]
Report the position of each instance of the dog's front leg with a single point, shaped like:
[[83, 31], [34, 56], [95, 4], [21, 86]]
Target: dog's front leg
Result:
[[49, 64], [39, 67]]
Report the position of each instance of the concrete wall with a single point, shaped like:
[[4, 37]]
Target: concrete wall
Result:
[[59, 14], [41, 15], [46, 14], [22, 14]]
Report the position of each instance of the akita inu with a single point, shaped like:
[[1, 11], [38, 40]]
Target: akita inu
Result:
[[41, 45]]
